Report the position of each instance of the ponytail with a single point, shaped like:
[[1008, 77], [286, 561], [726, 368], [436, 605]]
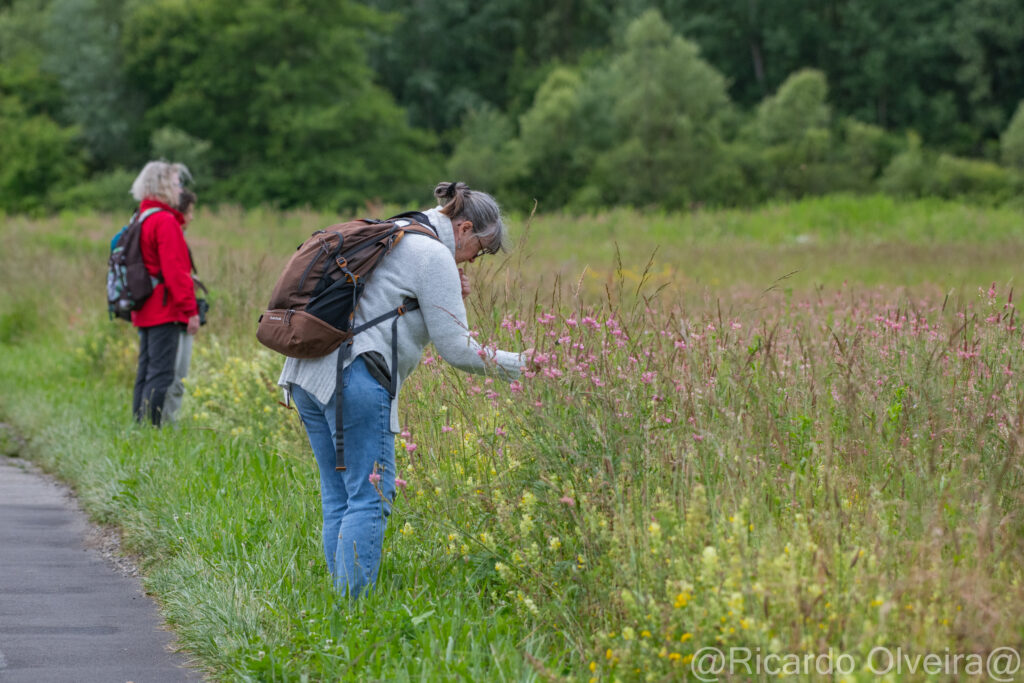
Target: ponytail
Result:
[[458, 202]]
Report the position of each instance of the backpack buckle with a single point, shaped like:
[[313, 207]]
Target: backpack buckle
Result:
[[341, 261], [401, 310]]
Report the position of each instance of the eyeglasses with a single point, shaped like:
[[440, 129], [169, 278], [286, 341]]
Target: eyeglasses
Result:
[[483, 250]]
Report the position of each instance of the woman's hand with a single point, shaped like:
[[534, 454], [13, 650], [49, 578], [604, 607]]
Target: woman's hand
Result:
[[464, 279], [193, 325]]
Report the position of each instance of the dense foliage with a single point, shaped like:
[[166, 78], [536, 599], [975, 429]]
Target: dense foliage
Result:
[[586, 104]]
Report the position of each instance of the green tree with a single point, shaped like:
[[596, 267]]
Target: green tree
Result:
[[950, 69], [83, 51], [285, 95], [37, 157], [797, 108], [445, 58], [666, 104], [988, 39], [552, 138], [487, 154], [22, 27]]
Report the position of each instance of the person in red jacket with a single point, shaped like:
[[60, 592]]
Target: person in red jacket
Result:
[[171, 308]]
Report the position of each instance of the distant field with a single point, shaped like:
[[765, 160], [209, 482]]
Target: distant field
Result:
[[796, 428]]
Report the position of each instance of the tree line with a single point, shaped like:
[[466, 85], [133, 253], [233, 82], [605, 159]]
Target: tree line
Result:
[[579, 104]]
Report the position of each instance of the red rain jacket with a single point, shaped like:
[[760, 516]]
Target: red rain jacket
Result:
[[166, 256]]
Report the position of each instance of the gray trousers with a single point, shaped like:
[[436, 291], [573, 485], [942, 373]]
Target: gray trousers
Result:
[[176, 392]]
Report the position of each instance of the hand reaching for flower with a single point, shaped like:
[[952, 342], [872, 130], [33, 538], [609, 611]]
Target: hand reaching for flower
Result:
[[529, 362]]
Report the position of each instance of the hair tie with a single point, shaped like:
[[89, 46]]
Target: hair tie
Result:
[[453, 190]]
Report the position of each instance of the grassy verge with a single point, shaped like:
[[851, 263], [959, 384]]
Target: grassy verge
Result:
[[797, 469], [228, 529]]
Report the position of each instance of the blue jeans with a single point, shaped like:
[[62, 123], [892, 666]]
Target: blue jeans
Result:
[[355, 509]]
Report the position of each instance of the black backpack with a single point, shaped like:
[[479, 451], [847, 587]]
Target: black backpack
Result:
[[129, 284]]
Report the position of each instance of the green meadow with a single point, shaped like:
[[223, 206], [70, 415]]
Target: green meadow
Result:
[[796, 428]]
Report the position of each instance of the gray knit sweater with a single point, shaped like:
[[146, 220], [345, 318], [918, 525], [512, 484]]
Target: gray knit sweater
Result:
[[423, 269]]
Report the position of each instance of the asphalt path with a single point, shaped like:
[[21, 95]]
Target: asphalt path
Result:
[[68, 612]]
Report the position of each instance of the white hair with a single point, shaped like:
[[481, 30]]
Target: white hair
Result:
[[160, 180], [458, 202]]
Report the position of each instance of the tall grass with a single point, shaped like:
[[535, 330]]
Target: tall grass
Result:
[[791, 462]]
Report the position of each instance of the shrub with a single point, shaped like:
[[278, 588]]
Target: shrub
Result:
[[907, 174], [104, 192], [39, 157]]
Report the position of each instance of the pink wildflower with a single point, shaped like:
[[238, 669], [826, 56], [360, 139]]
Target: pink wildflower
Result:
[[698, 437], [571, 322], [374, 478], [647, 377], [401, 483], [411, 448], [992, 291], [566, 500], [500, 432], [447, 428]]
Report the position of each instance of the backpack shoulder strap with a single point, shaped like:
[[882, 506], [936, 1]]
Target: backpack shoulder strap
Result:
[[418, 217], [149, 212]]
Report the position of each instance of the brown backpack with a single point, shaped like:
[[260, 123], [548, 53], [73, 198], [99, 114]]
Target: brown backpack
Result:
[[314, 301]]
